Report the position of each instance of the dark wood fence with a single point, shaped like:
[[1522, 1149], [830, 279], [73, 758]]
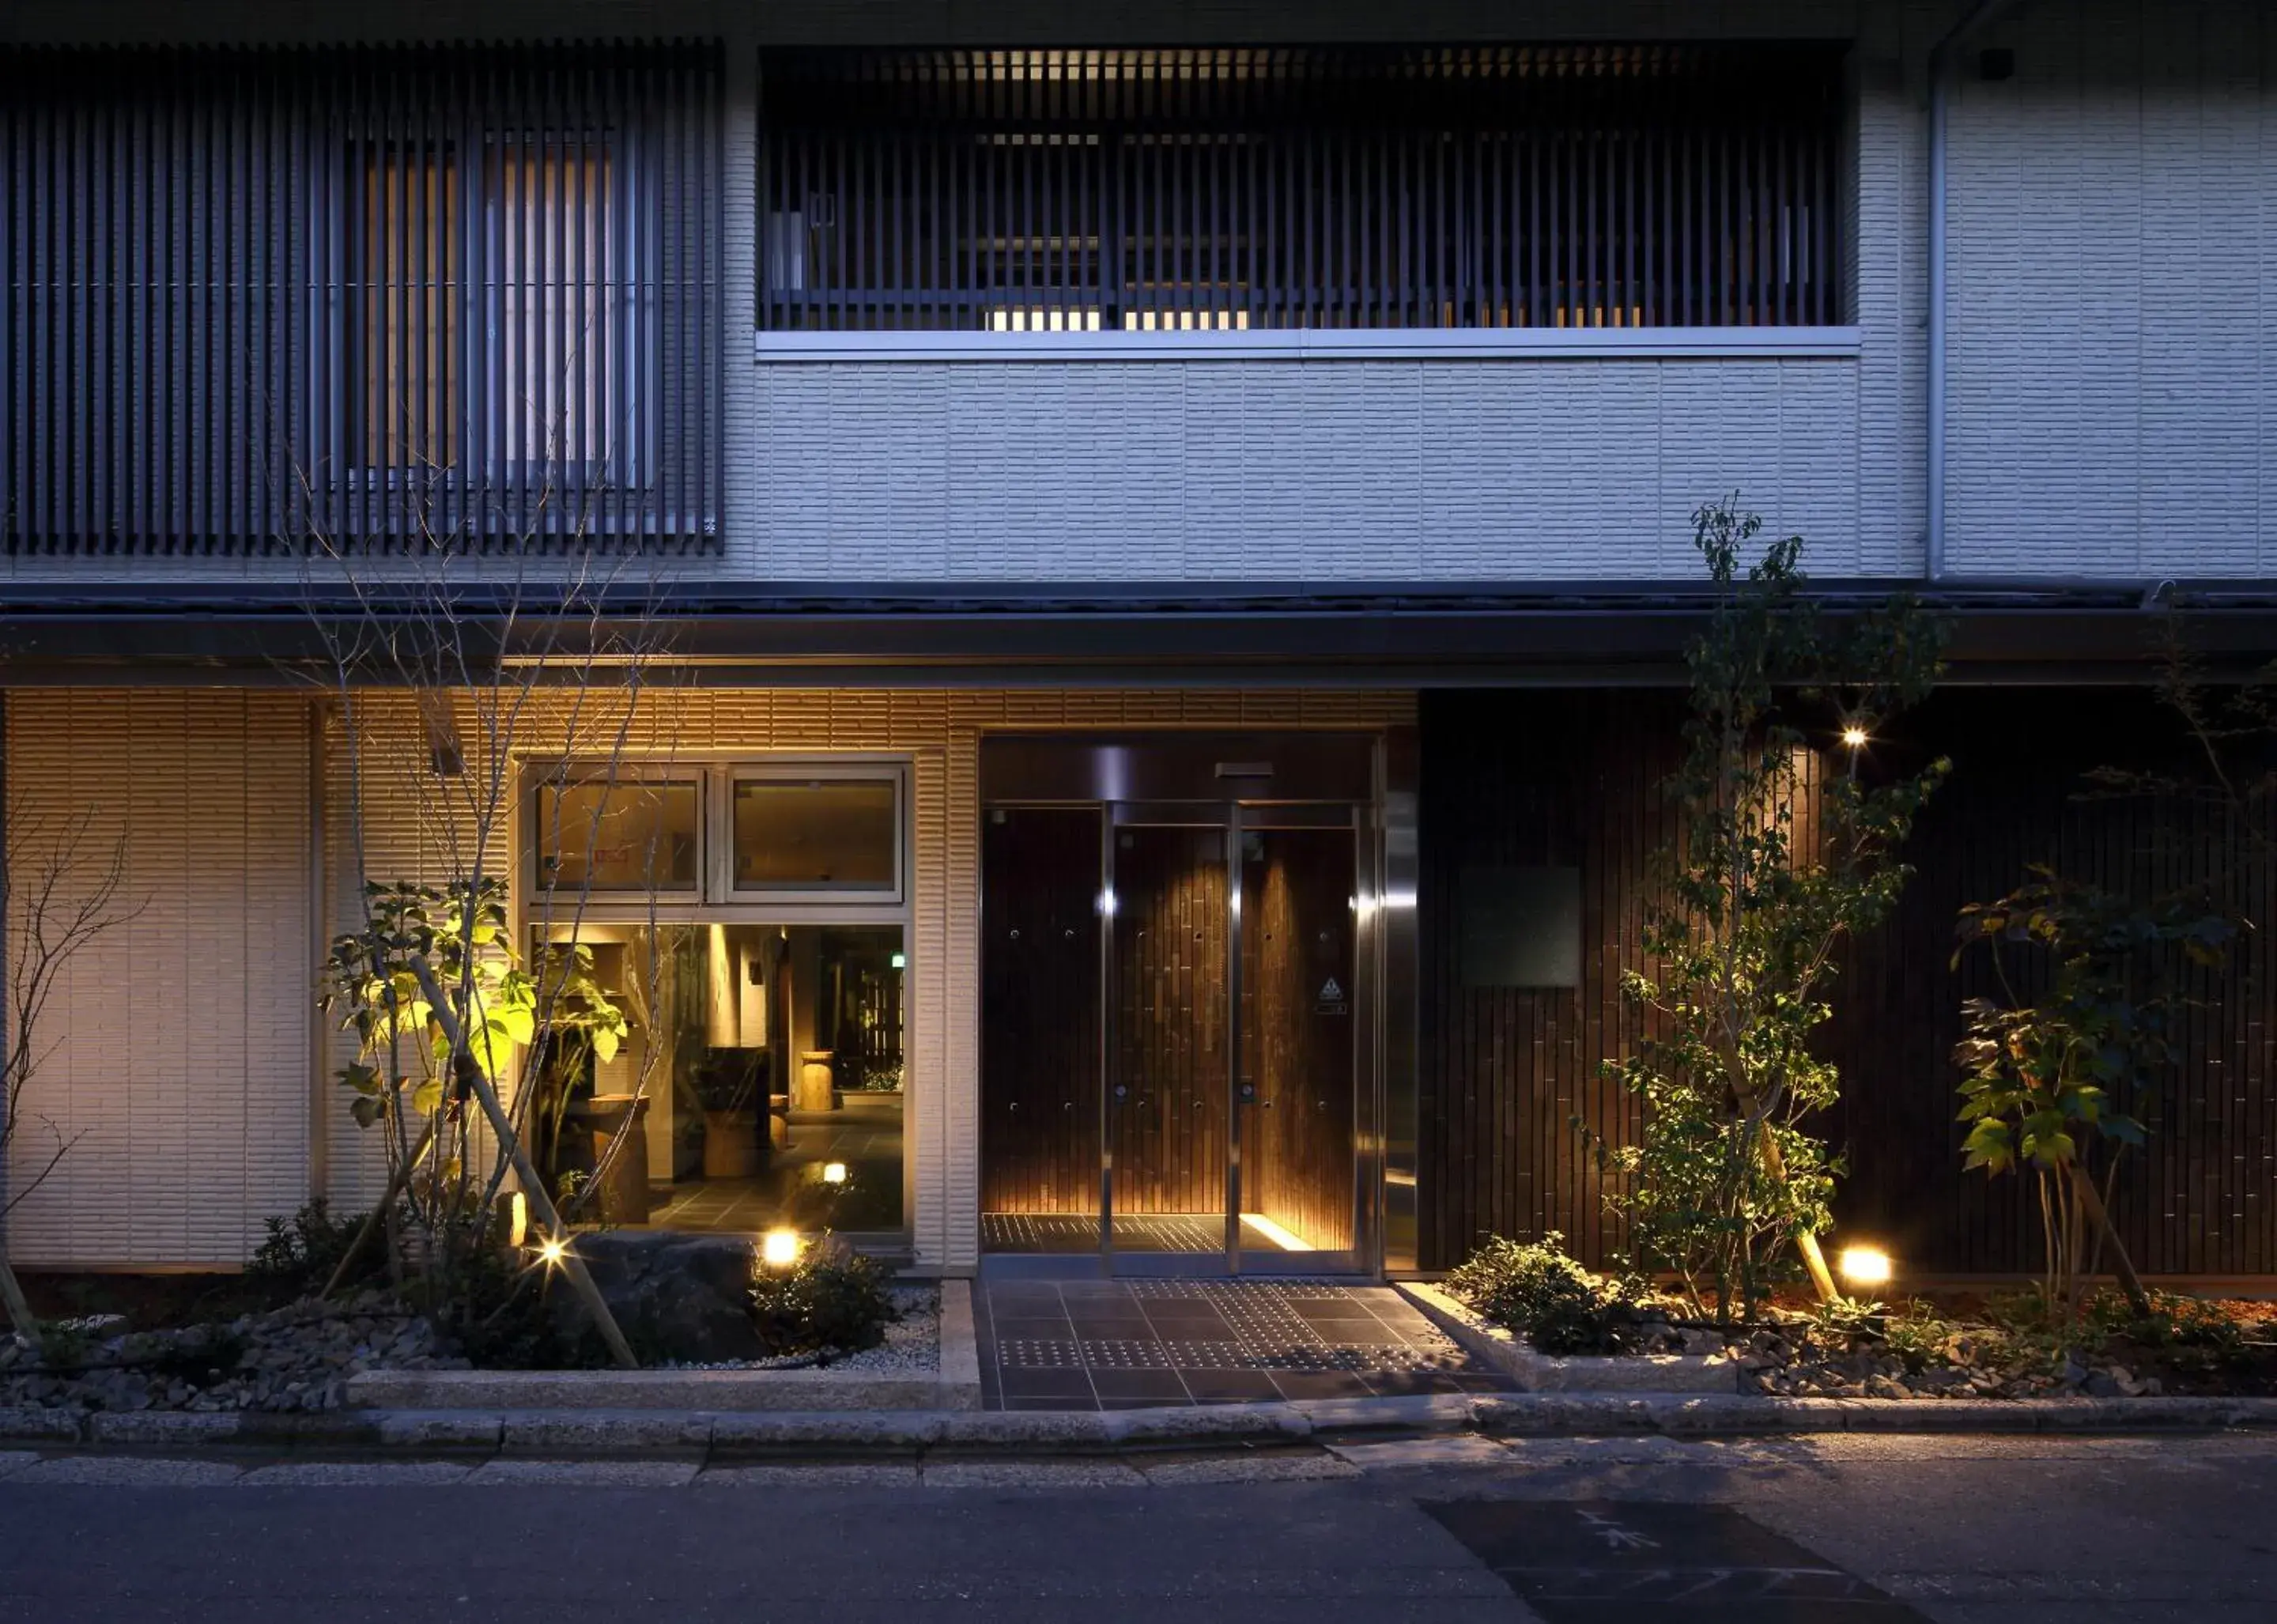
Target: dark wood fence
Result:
[[255, 298], [1570, 780], [1249, 188]]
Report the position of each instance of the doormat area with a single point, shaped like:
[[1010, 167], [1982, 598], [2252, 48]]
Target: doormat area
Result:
[[1096, 1345], [1615, 1562]]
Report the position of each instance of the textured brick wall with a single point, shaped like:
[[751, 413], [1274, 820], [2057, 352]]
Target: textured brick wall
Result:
[[176, 1048], [2115, 336]]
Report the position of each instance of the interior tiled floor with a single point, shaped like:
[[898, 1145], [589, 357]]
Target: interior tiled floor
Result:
[[1077, 1232], [1086, 1344], [864, 1136]]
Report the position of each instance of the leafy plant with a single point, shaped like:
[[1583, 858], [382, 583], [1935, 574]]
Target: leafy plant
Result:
[[1918, 1334], [1777, 860], [832, 1299], [298, 1255], [1536, 1287], [2051, 1077], [1838, 1322], [408, 1074]]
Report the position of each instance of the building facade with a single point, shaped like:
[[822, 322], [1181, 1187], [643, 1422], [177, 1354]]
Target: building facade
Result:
[[1157, 544]]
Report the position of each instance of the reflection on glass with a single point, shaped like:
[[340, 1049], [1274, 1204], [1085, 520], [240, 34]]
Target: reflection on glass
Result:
[[759, 1084], [615, 837], [815, 834]]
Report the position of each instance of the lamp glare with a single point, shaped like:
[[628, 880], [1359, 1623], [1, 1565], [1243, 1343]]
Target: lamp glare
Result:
[[780, 1248], [834, 1172], [553, 1249], [1855, 738], [1866, 1266]]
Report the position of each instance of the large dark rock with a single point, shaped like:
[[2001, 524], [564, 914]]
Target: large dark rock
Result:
[[678, 1297]]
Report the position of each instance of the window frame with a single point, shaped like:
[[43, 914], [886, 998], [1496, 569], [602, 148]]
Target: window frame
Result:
[[819, 770], [715, 896], [561, 774]]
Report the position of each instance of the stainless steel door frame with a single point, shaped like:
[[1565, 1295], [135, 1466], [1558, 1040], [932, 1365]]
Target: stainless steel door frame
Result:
[[1233, 818]]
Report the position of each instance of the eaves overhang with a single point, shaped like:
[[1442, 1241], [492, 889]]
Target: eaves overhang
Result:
[[743, 632]]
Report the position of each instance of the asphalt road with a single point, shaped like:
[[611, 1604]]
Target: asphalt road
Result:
[[1957, 1531]]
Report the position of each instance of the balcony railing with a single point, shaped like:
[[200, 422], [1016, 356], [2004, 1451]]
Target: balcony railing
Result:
[[1588, 185]]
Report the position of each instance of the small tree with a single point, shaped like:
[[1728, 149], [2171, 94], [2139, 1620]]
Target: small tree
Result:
[[2051, 1079], [61, 890], [1777, 862]]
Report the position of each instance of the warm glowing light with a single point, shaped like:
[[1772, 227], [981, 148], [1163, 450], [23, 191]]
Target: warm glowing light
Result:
[[834, 1172], [553, 1249], [517, 1219], [1855, 738], [780, 1248], [1866, 1266], [1273, 1232]]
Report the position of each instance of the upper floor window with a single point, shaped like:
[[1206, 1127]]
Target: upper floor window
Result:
[[1582, 185], [395, 296]]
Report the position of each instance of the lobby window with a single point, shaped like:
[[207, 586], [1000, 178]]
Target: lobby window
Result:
[[750, 918]]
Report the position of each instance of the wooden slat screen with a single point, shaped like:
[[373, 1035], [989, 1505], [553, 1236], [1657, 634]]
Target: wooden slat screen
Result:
[[262, 300], [1573, 778], [1219, 188]]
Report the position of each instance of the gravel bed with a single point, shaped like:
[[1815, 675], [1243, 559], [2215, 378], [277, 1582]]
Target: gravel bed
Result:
[[293, 1359], [912, 1344]]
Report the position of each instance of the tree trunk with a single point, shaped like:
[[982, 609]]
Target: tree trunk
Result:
[[533, 1187], [2091, 1200], [1814, 1259], [13, 1297]]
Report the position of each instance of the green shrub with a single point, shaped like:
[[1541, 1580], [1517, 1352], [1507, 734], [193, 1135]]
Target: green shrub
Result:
[[1538, 1288], [298, 1256], [832, 1300], [1916, 1334]]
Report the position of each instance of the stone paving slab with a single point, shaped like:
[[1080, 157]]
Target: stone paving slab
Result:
[[355, 1473], [610, 1474]]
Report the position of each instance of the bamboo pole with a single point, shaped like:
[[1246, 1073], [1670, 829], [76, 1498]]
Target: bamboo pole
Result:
[[19, 1307], [378, 1215], [541, 1205]]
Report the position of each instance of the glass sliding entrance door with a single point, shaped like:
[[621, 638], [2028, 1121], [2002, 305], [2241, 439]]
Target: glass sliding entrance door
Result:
[[1303, 1024], [1170, 1053], [1179, 1035]]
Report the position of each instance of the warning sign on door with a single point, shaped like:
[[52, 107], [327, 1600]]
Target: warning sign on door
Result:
[[1332, 998]]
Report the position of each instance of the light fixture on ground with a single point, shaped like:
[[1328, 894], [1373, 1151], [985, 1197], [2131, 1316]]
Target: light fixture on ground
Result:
[[1865, 1266], [1855, 738], [834, 1172], [780, 1248], [517, 1219], [552, 1250]]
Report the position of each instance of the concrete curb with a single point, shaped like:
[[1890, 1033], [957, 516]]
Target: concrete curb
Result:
[[725, 1435], [1644, 1373]]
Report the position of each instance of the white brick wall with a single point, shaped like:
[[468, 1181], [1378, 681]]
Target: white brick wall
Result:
[[1286, 470], [177, 1047], [2114, 322]]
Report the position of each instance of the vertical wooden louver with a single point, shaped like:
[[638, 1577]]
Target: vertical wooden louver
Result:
[[1258, 188], [262, 301]]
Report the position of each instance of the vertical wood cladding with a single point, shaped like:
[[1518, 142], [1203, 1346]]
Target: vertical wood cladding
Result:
[[1039, 1010], [1296, 1040], [1571, 779], [1168, 1054]]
